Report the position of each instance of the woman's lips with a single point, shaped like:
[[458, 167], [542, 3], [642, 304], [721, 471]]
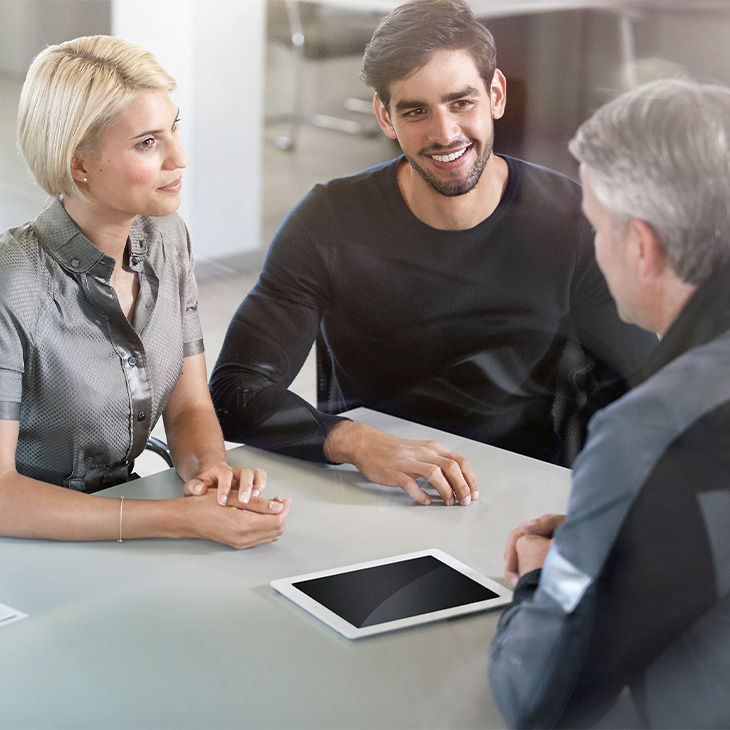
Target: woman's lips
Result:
[[174, 187]]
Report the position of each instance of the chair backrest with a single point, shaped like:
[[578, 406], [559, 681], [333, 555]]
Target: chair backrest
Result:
[[327, 32], [159, 447], [575, 397], [572, 396]]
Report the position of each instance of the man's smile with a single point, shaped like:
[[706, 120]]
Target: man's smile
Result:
[[449, 158]]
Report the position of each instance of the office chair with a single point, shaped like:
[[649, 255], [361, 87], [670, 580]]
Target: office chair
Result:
[[159, 447], [313, 32]]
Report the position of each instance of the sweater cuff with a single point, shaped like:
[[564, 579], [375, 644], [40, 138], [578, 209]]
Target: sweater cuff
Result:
[[328, 422]]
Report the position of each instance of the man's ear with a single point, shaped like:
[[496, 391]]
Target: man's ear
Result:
[[498, 94], [383, 117], [650, 254]]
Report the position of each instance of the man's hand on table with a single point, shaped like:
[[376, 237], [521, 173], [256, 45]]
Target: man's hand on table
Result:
[[398, 462], [528, 545]]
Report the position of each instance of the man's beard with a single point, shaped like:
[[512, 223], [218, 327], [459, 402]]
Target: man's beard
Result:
[[459, 187]]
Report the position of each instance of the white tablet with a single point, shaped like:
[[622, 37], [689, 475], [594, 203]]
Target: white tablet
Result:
[[393, 593]]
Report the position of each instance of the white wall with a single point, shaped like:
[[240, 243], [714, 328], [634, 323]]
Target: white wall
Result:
[[27, 26], [215, 51]]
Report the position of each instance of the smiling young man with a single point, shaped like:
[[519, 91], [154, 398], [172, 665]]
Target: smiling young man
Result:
[[446, 286]]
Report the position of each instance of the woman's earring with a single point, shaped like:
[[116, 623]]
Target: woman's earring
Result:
[[85, 180]]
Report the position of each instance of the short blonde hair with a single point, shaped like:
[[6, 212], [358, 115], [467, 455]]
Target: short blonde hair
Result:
[[71, 93]]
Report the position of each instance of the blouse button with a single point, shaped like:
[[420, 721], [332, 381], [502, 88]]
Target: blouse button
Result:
[[132, 360], [141, 416]]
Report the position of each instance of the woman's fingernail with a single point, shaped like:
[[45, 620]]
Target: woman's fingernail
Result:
[[275, 506], [256, 492]]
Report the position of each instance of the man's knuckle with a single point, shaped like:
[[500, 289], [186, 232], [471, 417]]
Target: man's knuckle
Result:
[[451, 467]]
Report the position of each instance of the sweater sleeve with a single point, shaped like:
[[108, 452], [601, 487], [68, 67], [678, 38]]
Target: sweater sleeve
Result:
[[614, 350], [618, 348], [267, 342]]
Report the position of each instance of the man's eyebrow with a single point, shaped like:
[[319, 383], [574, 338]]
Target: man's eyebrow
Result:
[[404, 104], [454, 95]]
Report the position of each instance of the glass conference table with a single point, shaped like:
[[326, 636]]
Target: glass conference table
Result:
[[189, 634]]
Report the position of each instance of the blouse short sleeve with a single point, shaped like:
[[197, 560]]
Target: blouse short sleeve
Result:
[[192, 330], [18, 309]]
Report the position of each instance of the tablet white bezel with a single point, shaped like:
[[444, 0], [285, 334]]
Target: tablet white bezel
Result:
[[286, 587]]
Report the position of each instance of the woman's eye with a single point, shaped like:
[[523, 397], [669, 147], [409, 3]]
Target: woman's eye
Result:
[[146, 144]]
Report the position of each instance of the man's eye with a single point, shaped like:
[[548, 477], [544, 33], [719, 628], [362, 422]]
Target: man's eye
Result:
[[415, 112]]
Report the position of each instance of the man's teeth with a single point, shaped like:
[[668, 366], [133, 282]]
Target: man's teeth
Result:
[[449, 158]]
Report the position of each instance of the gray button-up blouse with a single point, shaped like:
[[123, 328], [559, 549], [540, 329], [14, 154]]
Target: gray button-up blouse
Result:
[[86, 385]]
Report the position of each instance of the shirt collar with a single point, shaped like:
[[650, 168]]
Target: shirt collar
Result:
[[64, 241], [705, 316], [139, 234], [73, 251]]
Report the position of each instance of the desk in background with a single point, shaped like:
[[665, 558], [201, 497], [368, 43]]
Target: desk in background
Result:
[[188, 633]]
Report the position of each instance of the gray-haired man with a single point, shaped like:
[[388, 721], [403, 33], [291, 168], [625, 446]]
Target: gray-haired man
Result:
[[634, 586]]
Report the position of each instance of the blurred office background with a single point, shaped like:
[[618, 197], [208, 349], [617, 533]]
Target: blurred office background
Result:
[[271, 100]]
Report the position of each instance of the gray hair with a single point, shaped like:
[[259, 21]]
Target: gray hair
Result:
[[660, 153]]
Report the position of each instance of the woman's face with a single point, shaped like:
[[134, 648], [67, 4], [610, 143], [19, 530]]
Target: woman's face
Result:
[[136, 168]]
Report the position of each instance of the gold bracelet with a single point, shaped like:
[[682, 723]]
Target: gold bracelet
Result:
[[121, 512]]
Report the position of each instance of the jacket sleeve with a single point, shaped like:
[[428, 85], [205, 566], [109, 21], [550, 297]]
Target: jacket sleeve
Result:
[[267, 342], [610, 597], [537, 655]]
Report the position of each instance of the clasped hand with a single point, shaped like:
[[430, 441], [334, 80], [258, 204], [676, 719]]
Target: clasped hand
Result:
[[253, 521], [528, 545]]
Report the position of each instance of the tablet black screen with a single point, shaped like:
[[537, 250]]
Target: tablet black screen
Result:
[[371, 596]]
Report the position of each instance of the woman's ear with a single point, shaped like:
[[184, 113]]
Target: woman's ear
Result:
[[78, 168]]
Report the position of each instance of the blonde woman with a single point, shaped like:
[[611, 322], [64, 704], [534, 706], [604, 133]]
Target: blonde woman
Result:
[[98, 317]]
